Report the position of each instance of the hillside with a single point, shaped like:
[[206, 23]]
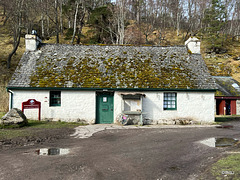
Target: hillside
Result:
[[227, 64]]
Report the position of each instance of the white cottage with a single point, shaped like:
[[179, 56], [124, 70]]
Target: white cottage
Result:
[[98, 84]]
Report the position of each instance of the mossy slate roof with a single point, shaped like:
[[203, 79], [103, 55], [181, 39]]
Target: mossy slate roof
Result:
[[112, 67], [227, 86]]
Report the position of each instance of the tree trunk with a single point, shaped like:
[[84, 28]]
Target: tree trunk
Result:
[[48, 22], [61, 19], [81, 27], [14, 50], [42, 25], [56, 18], [69, 23], [121, 19], [75, 23], [178, 23], [138, 11]]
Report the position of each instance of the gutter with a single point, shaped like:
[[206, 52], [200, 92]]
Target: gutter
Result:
[[11, 99], [108, 89]]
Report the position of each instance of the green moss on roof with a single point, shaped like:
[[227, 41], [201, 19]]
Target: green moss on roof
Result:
[[225, 86], [219, 93], [113, 67], [114, 72]]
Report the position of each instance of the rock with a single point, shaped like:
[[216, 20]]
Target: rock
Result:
[[14, 117], [148, 121], [236, 58], [207, 56], [183, 121], [226, 56], [82, 121]]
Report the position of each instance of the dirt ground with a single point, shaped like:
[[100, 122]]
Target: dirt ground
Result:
[[39, 136], [116, 154]]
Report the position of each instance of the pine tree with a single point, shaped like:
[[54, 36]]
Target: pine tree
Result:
[[214, 21]]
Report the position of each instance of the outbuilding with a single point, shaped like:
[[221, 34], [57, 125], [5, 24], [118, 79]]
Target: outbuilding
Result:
[[227, 96], [100, 83]]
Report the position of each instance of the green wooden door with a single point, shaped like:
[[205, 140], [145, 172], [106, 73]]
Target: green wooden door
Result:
[[104, 109]]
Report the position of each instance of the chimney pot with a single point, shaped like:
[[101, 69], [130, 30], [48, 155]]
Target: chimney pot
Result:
[[34, 32]]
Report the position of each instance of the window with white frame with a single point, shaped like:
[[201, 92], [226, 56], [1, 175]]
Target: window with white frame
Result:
[[170, 101]]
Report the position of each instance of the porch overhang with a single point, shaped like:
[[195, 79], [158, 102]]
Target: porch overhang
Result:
[[227, 97], [132, 95]]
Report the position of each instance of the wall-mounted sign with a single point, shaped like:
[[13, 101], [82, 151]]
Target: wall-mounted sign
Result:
[[32, 104], [104, 99]]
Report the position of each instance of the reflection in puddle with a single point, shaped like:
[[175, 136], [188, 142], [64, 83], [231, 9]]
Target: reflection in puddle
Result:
[[219, 142], [52, 151]]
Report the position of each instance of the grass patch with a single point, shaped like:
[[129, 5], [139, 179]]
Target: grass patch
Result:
[[2, 114], [227, 168], [52, 124], [13, 133], [227, 118], [32, 126]]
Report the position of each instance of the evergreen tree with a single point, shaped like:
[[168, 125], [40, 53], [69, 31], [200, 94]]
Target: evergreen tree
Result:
[[214, 21], [101, 19]]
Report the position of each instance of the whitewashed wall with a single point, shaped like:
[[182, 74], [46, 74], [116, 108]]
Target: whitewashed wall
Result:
[[195, 106], [81, 105], [75, 105], [238, 107], [118, 105]]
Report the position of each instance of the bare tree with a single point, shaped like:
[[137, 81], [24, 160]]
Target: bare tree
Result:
[[120, 14], [79, 19], [15, 12], [75, 21]]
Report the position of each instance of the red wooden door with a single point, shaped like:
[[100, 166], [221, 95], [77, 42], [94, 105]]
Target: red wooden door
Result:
[[221, 107], [233, 107]]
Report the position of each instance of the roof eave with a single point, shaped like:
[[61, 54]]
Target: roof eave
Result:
[[106, 89]]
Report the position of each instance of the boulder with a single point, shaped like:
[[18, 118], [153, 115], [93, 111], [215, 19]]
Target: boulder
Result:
[[183, 121], [14, 117]]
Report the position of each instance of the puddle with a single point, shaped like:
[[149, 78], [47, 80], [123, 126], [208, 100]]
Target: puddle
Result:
[[52, 151], [220, 142]]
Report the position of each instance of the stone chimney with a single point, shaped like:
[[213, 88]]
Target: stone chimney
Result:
[[193, 45], [32, 41]]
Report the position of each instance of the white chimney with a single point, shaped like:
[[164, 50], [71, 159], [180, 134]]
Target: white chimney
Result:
[[193, 45], [32, 42]]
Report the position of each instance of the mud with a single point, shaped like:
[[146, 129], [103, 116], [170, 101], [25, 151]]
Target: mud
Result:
[[117, 154], [39, 136]]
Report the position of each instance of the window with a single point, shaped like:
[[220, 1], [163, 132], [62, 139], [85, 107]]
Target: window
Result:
[[170, 101], [55, 98], [132, 102]]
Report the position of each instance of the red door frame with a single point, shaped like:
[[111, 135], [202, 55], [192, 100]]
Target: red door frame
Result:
[[32, 104], [221, 107]]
